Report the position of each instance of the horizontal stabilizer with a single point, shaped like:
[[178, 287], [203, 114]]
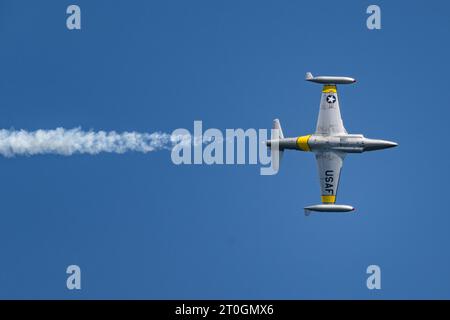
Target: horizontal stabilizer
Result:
[[277, 126], [276, 151]]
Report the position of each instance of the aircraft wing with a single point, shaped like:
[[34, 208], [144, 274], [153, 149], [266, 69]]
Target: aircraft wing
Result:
[[329, 164], [329, 121]]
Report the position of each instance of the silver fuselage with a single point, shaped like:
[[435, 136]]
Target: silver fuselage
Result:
[[349, 143]]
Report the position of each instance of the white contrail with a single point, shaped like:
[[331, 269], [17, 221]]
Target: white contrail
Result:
[[70, 141]]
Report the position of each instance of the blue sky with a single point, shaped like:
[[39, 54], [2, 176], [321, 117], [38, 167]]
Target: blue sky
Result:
[[141, 227]]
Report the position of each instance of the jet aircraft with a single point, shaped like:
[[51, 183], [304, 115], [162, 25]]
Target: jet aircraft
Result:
[[330, 143]]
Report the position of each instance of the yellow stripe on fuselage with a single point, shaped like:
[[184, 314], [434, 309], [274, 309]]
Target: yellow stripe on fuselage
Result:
[[328, 88], [328, 199], [302, 143]]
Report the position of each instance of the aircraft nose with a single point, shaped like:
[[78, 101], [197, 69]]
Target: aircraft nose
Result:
[[376, 144], [391, 144]]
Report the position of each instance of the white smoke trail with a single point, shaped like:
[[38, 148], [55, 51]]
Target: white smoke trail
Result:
[[70, 141]]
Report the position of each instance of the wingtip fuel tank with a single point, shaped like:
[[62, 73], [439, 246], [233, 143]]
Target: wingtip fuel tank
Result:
[[328, 208], [329, 79]]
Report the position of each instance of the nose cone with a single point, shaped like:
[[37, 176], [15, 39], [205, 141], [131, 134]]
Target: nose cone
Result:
[[376, 144]]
